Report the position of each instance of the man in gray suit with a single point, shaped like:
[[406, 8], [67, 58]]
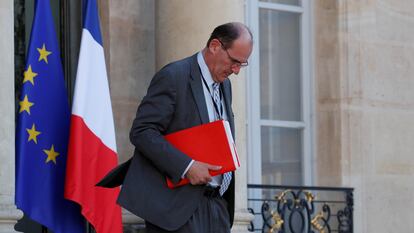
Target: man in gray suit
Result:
[[183, 94]]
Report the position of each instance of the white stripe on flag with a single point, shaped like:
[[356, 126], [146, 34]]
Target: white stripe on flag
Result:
[[91, 100]]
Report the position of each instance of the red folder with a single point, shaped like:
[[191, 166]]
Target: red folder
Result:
[[210, 143]]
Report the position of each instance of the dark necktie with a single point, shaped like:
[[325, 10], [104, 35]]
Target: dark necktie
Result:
[[219, 115]]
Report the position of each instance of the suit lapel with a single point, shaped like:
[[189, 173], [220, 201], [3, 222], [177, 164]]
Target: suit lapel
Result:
[[198, 94], [197, 89]]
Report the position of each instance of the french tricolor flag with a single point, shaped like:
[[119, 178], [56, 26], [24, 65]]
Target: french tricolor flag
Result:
[[92, 147]]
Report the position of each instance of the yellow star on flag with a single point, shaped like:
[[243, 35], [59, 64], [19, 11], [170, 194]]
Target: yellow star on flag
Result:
[[33, 134], [43, 53], [51, 154], [29, 75], [25, 105]]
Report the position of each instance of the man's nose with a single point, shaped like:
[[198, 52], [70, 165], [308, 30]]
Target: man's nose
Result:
[[236, 70]]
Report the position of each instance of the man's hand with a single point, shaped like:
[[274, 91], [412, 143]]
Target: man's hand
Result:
[[198, 172]]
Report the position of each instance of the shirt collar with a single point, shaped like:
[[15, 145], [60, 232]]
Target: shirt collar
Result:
[[205, 72]]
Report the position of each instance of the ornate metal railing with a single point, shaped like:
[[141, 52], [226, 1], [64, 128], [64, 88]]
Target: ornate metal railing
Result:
[[300, 209]]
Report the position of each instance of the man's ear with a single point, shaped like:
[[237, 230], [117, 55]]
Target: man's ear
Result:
[[214, 46]]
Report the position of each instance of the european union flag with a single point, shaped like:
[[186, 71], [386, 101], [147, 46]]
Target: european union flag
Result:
[[42, 132]]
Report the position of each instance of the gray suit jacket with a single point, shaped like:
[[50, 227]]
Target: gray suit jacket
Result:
[[174, 101]]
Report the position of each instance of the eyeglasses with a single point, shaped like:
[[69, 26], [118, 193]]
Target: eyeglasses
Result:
[[235, 62]]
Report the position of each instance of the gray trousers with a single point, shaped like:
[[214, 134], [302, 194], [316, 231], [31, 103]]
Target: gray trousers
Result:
[[211, 216]]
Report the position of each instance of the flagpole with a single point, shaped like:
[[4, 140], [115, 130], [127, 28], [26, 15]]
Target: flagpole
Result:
[[89, 228]]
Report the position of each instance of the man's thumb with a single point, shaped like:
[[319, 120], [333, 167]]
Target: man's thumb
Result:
[[213, 167]]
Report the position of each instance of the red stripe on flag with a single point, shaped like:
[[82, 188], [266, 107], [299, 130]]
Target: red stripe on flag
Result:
[[89, 160]]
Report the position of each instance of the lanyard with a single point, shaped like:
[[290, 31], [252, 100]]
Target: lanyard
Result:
[[216, 108]]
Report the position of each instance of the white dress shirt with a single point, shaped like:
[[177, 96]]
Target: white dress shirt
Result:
[[205, 72]]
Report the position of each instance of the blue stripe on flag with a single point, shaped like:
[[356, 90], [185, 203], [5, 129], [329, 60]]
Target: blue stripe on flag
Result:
[[91, 20]]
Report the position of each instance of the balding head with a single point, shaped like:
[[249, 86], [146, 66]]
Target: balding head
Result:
[[228, 50], [229, 32]]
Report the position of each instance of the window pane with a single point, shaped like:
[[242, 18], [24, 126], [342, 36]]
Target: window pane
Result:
[[281, 156], [288, 2], [280, 65]]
